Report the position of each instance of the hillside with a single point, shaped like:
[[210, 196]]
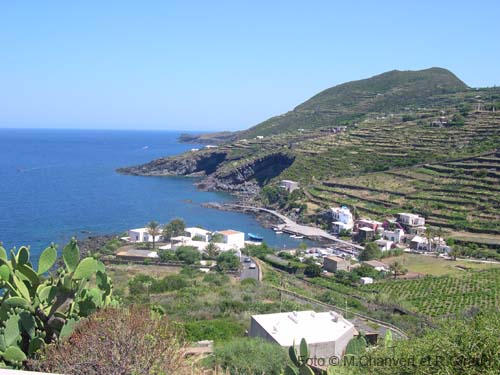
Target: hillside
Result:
[[432, 150], [387, 92]]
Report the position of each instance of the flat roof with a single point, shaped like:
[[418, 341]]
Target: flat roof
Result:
[[197, 230], [229, 232], [138, 253], [336, 258], [291, 327]]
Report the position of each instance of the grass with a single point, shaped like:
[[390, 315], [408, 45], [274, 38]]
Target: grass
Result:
[[431, 265]]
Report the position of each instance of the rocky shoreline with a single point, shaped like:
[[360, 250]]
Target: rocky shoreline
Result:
[[93, 244]]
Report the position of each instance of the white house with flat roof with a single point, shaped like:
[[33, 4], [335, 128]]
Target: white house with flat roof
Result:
[[201, 234], [141, 235], [395, 235], [233, 238], [289, 185], [411, 220], [342, 219], [327, 333]]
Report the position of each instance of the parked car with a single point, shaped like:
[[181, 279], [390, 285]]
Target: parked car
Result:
[[247, 260], [252, 266]]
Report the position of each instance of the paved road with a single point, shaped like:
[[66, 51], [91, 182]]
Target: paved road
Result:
[[247, 272], [291, 226]]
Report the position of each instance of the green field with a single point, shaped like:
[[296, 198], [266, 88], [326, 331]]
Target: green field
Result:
[[436, 296]]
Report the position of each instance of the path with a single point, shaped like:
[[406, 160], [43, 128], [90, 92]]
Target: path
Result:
[[290, 226]]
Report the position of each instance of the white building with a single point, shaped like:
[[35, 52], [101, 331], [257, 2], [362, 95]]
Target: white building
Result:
[[395, 235], [289, 185], [384, 245], [141, 235], [233, 238], [327, 334], [365, 280], [411, 220], [199, 233], [342, 219]]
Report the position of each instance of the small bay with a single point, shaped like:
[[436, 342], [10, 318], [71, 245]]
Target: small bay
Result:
[[55, 184]]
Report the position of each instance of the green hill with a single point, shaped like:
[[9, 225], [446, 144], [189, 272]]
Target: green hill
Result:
[[387, 92]]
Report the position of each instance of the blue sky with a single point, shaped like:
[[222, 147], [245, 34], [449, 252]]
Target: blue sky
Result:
[[210, 65]]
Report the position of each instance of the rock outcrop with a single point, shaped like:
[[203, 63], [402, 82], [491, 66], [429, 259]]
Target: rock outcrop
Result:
[[244, 177]]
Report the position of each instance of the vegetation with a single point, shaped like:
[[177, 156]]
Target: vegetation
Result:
[[245, 356], [154, 230], [391, 91], [227, 260], [467, 346], [174, 228], [37, 310], [370, 252], [119, 341], [444, 295]]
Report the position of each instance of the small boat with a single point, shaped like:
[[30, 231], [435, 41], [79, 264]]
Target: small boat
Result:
[[278, 232], [297, 237], [255, 237]]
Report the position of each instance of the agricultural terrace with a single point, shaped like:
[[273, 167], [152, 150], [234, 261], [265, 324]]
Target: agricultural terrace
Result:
[[437, 296], [462, 197], [437, 266]]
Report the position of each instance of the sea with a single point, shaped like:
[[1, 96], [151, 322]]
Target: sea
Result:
[[56, 184]]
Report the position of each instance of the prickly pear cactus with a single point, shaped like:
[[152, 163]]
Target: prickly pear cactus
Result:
[[37, 308], [299, 361]]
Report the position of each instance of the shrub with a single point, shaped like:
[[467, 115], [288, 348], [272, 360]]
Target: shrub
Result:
[[227, 261], [246, 356], [117, 341], [217, 330], [188, 254]]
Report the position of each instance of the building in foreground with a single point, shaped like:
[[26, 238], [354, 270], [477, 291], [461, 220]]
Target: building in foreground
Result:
[[327, 334]]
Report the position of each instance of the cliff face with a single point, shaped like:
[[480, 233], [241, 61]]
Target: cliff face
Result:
[[221, 174], [189, 164], [249, 176]]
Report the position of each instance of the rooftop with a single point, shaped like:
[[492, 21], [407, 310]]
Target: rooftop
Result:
[[229, 232], [138, 253], [291, 327], [335, 258]]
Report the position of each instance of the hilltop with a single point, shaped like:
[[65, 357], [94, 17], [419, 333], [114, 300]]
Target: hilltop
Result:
[[419, 141], [386, 92]]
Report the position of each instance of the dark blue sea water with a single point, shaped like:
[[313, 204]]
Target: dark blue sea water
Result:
[[55, 184]]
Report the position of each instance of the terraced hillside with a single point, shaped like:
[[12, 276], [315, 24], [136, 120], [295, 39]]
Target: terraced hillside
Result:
[[460, 194], [435, 155], [444, 295]]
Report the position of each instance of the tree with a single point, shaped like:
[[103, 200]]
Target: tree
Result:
[[227, 260], [370, 252], [188, 254], [455, 252], [212, 250], [429, 234], [217, 238], [174, 228], [154, 230], [312, 270], [397, 269]]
